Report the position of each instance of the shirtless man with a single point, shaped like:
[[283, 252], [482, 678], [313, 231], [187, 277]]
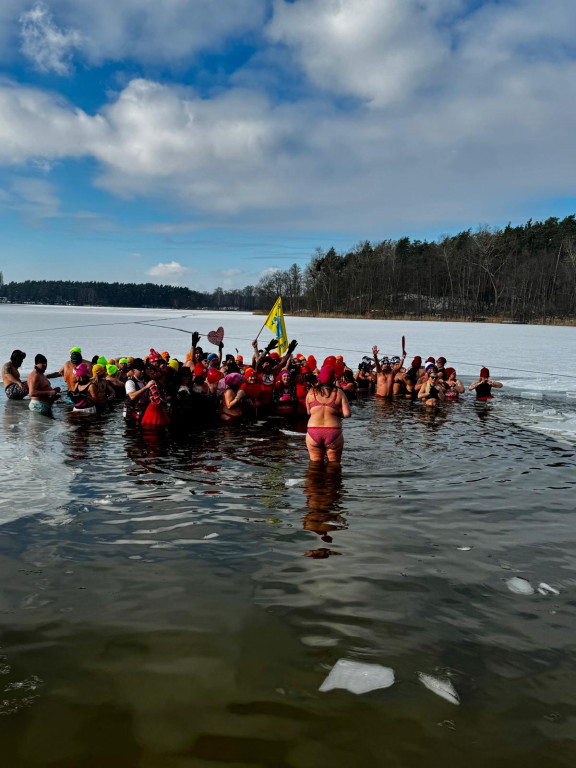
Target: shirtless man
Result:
[[13, 387], [385, 374], [41, 393], [67, 370]]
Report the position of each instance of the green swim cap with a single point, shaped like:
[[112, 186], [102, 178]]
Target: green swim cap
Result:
[[102, 361], [76, 349], [111, 369], [123, 360]]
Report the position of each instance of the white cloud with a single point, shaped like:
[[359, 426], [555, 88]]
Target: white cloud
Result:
[[478, 122], [144, 31], [173, 272], [45, 44], [378, 50]]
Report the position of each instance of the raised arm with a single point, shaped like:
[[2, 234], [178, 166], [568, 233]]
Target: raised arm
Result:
[[376, 361]]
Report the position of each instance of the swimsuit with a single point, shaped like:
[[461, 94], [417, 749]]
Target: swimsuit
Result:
[[483, 391], [324, 436], [37, 406], [15, 392]]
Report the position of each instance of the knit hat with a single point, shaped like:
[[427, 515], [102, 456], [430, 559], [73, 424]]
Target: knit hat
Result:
[[327, 374], [81, 370], [233, 380]]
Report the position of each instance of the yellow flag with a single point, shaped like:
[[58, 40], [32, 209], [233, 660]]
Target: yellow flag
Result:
[[275, 321]]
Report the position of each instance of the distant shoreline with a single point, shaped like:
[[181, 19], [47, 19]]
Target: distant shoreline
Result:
[[374, 315], [560, 322]]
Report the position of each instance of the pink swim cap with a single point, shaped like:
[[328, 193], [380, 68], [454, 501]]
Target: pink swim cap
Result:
[[81, 370], [327, 374]]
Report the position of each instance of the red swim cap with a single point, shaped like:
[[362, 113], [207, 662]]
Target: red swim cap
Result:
[[312, 364], [212, 376], [199, 370], [449, 372], [417, 362], [484, 373], [339, 368], [331, 360], [441, 360]]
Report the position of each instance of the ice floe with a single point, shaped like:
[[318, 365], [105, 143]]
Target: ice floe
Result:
[[520, 586], [357, 677], [440, 686]]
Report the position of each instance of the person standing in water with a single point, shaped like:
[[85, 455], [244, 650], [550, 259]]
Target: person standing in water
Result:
[[484, 385], [13, 387], [327, 406], [41, 393], [385, 373]]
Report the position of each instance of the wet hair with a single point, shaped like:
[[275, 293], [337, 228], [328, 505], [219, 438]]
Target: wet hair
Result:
[[137, 364], [232, 366], [17, 357], [348, 376], [94, 360], [39, 359]]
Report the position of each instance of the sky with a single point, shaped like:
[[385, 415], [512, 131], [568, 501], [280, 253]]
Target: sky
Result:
[[204, 142]]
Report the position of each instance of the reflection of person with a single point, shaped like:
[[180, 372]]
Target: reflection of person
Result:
[[323, 489], [326, 406], [484, 385], [13, 387], [41, 393]]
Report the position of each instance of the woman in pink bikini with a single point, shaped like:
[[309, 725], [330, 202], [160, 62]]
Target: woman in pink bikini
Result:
[[327, 406]]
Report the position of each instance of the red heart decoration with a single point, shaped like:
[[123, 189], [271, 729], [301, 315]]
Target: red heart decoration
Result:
[[216, 337]]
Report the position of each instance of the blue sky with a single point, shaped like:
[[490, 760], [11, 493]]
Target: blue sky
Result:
[[203, 142]]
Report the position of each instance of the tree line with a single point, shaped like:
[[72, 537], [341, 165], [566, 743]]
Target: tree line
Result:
[[524, 273], [100, 294]]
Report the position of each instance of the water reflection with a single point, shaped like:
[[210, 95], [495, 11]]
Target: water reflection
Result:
[[323, 492]]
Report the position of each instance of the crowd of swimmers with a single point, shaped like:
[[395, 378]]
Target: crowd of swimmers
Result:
[[158, 390]]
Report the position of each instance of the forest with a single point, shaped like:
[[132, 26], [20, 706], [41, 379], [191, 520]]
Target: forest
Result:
[[525, 274]]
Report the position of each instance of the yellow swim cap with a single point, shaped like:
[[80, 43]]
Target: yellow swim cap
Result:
[[174, 364], [98, 370]]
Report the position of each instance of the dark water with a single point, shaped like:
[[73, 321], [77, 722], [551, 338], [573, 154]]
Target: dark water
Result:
[[130, 639]]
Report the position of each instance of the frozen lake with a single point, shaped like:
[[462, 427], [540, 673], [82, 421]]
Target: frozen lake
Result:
[[209, 598]]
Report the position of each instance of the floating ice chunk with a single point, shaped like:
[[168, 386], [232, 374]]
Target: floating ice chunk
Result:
[[531, 395], [464, 549], [546, 589], [179, 482], [357, 677], [520, 586], [103, 502], [294, 481], [441, 687], [211, 536]]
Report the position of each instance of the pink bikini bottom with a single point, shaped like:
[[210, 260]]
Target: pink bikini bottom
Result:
[[324, 437]]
